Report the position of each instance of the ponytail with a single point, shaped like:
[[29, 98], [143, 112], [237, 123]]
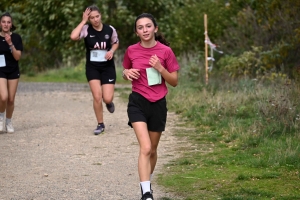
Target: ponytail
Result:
[[159, 37]]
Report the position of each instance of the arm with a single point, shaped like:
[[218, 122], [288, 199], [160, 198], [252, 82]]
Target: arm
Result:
[[109, 55], [75, 35], [16, 53], [114, 44], [171, 78], [130, 74], [114, 47]]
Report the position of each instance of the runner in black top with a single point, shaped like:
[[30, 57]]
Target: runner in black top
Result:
[[101, 41], [11, 48]]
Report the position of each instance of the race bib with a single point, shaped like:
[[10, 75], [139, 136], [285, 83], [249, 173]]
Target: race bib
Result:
[[98, 55], [153, 76], [2, 61]]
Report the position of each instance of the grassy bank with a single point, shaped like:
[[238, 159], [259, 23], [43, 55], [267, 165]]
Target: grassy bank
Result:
[[245, 141]]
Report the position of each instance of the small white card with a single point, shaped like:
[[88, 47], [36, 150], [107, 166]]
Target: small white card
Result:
[[98, 55], [153, 76], [2, 61]]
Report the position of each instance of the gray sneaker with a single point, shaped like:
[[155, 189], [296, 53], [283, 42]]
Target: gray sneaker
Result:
[[1, 124], [110, 107], [99, 129]]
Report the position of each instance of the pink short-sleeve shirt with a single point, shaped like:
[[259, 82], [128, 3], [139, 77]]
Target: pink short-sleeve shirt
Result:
[[137, 57]]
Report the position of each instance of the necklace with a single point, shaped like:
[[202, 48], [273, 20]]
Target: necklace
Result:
[[2, 34]]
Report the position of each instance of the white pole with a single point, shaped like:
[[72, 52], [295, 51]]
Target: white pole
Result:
[[206, 49]]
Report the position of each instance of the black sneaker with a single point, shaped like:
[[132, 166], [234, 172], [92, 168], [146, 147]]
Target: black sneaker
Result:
[[99, 129], [110, 107], [147, 196]]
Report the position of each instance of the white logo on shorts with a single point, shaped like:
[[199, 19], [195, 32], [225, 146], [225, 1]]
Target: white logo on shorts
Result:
[[111, 80], [92, 36]]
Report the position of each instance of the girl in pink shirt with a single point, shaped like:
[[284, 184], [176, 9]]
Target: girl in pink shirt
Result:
[[149, 64]]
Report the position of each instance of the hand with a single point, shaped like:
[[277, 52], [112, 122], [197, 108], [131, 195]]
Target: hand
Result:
[[86, 15], [131, 74], [8, 39], [109, 55], [155, 63]]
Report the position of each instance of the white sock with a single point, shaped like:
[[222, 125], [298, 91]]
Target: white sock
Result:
[[2, 115], [145, 186], [8, 120]]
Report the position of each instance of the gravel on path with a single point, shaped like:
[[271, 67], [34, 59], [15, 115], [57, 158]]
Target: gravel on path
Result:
[[53, 153]]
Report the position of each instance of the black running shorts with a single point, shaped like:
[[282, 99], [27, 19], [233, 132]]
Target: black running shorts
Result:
[[9, 73], [154, 114], [107, 75]]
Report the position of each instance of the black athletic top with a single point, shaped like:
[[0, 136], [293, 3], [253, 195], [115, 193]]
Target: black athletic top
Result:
[[102, 40], [5, 50]]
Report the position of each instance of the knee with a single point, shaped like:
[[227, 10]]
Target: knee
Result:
[[153, 152], [107, 100], [10, 102], [3, 98], [98, 98], [146, 151]]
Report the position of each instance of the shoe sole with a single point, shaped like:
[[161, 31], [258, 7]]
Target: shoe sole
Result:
[[99, 133]]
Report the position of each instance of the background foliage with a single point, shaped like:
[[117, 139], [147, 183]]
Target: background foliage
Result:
[[258, 37]]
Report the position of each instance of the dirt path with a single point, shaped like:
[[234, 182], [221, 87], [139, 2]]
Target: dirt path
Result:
[[53, 153]]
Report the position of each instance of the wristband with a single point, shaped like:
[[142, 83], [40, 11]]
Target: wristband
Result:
[[123, 74], [11, 47]]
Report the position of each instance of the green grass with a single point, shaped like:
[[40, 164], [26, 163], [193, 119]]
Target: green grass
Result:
[[245, 143]]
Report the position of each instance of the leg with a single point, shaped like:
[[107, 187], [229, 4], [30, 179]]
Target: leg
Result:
[[12, 90], [144, 166], [96, 89], [154, 137], [3, 94], [108, 93]]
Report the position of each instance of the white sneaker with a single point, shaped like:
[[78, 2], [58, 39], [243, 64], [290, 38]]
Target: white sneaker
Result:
[[1, 124], [10, 128]]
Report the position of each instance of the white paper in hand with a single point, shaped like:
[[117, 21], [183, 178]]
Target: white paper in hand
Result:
[[153, 76]]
